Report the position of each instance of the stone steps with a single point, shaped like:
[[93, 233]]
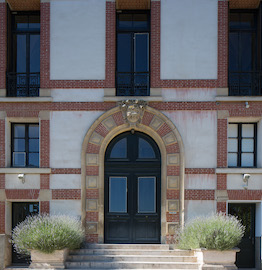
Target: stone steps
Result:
[[130, 256]]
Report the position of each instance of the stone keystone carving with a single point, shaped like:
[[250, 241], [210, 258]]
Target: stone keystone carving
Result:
[[133, 110]]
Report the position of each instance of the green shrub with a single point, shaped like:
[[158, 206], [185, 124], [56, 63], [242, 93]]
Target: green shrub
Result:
[[47, 234], [220, 232]]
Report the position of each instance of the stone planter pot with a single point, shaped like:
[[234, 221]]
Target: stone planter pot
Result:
[[208, 259], [48, 261]]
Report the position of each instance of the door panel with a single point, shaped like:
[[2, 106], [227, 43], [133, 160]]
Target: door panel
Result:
[[20, 210], [246, 214]]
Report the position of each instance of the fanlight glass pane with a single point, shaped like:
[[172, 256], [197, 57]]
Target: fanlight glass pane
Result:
[[232, 160], [145, 150], [247, 145], [120, 149], [247, 160], [248, 130], [232, 145], [146, 195], [118, 194], [232, 130]]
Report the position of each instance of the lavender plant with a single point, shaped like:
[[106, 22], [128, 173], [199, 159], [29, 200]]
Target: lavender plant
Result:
[[47, 234], [219, 231]]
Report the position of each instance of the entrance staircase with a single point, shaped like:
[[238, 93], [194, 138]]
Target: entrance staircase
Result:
[[130, 256]]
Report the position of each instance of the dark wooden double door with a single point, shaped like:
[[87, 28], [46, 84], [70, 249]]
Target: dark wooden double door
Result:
[[132, 190], [246, 214]]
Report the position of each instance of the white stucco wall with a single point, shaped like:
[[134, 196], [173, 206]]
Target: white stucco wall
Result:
[[198, 130], [235, 181], [189, 39], [77, 40], [200, 181], [65, 181], [77, 95], [67, 131], [185, 94], [66, 207], [195, 208], [32, 181]]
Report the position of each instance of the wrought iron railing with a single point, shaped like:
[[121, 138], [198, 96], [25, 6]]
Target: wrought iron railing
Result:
[[132, 83], [245, 83], [22, 84]]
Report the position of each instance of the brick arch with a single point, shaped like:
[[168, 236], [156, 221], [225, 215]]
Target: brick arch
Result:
[[104, 129]]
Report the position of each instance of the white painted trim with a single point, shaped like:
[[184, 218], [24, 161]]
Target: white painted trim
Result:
[[25, 170], [145, 98], [239, 170], [240, 98]]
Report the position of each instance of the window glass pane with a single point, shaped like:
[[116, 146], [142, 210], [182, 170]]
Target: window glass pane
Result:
[[140, 21], [19, 131], [124, 21], [232, 145], [145, 150], [120, 149], [19, 159], [33, 159], [33, 131], [146, 195], [34, 22], [124, 52], [33, 145], [247, 160], [34, 53], [246, 52], [247, 20], [21, 53], [233, 52], [21, 22], [232, 160], [247, 145], [118, 194], [141, 53], [19, 145], [248, 130], [232, 130]]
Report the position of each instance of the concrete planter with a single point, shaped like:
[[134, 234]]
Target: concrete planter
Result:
[[48, 261], [215, 259]]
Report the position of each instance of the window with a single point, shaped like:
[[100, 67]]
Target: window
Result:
[[132, 71], [244, 53], [25, 145], [242, 141], [23, 76]]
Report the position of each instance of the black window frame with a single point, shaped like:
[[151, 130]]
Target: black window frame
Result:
[[21, 84], [26, 138], [133, 32], [239, 145]]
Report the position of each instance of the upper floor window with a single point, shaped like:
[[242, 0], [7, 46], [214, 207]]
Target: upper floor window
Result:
[[132, 67], [242, 142], [23, 76], [244, 53], [25, 145]]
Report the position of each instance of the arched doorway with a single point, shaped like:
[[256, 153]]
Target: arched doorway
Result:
[[132, 189]]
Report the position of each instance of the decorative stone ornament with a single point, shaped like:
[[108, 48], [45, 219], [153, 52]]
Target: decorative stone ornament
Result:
[[133, 110]]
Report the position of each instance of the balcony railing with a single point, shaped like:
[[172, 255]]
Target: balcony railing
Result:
[[245, 83], [132, 83], [23, 84]]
